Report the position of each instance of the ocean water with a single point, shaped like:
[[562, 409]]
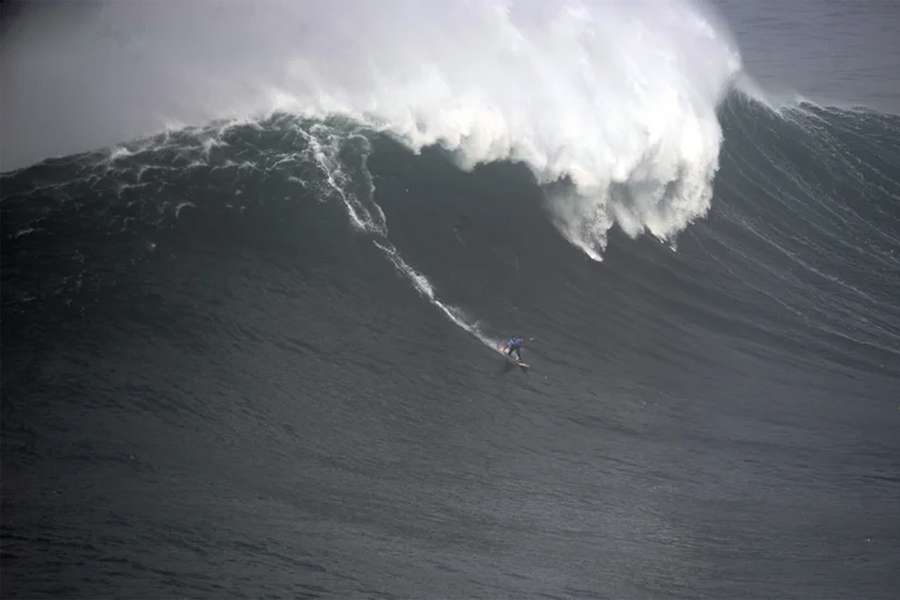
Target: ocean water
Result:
[[256, 357]]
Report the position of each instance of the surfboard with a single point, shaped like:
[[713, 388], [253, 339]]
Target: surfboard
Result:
[[522, 365]]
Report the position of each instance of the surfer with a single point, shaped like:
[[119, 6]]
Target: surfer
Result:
[[514, 345]]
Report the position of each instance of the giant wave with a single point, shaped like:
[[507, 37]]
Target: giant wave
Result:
[[240, 358], [617, 98]]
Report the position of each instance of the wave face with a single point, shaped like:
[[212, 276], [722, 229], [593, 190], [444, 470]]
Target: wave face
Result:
[[259, 356]]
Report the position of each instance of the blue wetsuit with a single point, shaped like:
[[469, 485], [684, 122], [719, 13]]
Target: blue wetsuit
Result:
[[514, 344]]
